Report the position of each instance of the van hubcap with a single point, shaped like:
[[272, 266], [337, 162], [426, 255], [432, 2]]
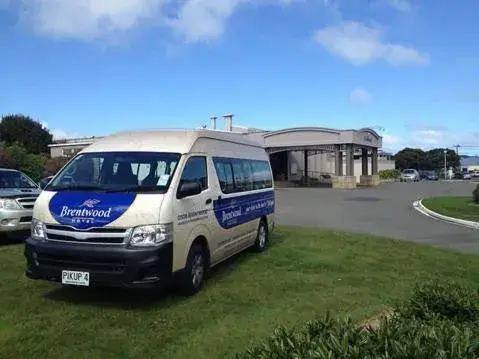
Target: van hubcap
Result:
[[197, 270], [262, 236]]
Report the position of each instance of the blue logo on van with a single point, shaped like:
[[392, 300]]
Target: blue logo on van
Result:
[[86, 210], [231, 212]]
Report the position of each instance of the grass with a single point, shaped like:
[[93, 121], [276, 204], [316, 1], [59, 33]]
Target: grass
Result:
[[456, 207], [305, 273]]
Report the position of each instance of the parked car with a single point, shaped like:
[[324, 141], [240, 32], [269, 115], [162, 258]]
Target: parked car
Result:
[[429, 175], [459, 175], [466, 175], [43, 183], [18, 193], [475, 174], [410, 175]]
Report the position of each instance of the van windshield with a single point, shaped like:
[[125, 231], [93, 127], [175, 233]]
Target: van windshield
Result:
[[117, 172]]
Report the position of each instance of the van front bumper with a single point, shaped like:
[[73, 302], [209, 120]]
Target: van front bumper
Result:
[[110, 266], [15, 220]]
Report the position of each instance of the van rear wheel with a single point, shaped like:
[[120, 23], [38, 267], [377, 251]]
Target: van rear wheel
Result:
[[262, 237], [193, 276]]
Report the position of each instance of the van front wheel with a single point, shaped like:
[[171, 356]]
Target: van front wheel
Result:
[[262, 237], [192, 278]]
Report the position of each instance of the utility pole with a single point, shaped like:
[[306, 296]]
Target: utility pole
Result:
[[445, 164], [457, 147]]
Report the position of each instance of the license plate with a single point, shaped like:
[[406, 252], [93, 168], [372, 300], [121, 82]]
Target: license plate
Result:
[[75, 278]]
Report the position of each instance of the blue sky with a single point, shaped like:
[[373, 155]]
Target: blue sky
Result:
[[92, 67]]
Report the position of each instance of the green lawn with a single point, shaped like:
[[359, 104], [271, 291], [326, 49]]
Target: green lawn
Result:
[[304, 273], [456, 207]]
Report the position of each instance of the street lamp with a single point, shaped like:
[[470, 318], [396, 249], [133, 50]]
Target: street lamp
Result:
[[445, 163]]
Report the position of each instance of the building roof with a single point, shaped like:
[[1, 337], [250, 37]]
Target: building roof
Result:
[[470, 161]]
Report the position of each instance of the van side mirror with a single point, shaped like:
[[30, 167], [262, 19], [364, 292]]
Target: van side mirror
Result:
[[189, 189]]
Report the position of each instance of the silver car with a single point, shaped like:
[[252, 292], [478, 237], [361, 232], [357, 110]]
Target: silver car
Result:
[[410, 175], [18, 193]]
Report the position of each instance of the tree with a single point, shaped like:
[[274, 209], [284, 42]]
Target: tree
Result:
[[410, 158], [435, 159], [26, 131]]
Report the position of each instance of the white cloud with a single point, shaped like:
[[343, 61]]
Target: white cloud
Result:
[[88, 19], [203, 19], [362, 44], [401, 5], [390, 140], [194, 20], [57, 133], [360, 96], [428, 137]]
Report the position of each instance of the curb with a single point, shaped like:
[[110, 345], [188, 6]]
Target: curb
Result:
[[418, 206]]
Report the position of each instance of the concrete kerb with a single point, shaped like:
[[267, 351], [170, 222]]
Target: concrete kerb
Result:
[[418, 206]]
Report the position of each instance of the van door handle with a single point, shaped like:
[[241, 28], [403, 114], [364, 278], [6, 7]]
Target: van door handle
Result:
[[208, 201]]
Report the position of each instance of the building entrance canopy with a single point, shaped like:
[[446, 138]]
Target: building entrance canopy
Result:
[[343, 144]]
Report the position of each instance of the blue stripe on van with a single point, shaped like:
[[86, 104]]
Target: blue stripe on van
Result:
[[233, 211]]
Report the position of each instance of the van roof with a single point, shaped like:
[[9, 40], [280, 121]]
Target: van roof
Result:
[[165, 140]]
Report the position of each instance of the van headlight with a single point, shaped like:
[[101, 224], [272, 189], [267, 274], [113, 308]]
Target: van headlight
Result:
[[151, 235], [38, 230], [7, 203]]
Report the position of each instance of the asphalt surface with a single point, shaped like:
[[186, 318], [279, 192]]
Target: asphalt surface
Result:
[[385, 211]]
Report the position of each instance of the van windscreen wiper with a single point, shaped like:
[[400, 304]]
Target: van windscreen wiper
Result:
[[134, 189], [76, 188]]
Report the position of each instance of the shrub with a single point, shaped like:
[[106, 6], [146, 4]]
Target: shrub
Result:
[[445, 300], [7, 160], [394, 338], [389, 174], [437, 321], [33, 166], [53, 165], [475, 195]]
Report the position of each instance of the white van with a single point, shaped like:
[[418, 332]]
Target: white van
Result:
[[140, 208]]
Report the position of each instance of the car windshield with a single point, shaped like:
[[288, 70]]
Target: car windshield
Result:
[[408, 172], [117, 172], [430, 173], [15, 179]]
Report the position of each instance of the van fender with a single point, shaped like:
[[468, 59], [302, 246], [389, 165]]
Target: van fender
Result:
[[182, 248]]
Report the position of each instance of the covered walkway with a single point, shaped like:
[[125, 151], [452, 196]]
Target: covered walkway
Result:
[[341, 146]]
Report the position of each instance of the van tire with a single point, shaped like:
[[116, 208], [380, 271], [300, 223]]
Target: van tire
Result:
[[192, 278], [262, 237]]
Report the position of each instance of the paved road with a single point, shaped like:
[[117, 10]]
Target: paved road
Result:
[[385, 211]]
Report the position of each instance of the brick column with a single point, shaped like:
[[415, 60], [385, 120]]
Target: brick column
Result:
[[364, 163], [350, 161], [374, 161], [338, 161]]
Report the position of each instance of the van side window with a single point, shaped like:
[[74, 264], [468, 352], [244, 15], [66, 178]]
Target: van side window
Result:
[[259, 179], [225, 176], [195, 171], [238, 175], [247, 175]]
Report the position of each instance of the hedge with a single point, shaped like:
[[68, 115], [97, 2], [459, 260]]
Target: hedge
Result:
[[389, 174], [475, 195], [437, 321]]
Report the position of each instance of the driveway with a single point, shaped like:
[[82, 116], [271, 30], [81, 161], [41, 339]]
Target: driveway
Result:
[[385, 211]]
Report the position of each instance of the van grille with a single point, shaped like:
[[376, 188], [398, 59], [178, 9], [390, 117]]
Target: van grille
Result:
[[27, 202], [111, 236], [77, 262]]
